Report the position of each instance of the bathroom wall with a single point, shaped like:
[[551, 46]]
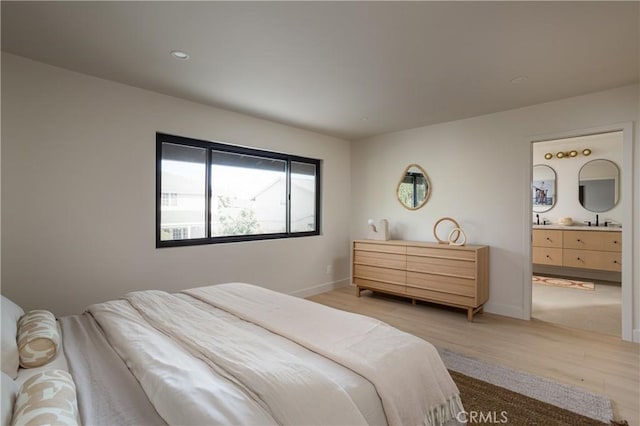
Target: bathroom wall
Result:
[[603, 146]]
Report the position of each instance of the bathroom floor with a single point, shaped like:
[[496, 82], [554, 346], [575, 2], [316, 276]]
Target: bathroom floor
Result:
[[598, 310]]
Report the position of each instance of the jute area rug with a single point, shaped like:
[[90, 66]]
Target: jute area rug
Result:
[[562, 282], [493, 394]]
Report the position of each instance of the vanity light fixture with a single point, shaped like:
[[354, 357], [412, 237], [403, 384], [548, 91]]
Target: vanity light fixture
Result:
[[567, 154], [179, 54]]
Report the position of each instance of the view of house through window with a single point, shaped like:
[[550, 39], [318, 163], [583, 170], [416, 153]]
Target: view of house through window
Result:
[[246, 194], [183, 192], [249, 195]]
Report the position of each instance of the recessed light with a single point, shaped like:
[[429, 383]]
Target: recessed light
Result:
[[519, 79], [179, 54]]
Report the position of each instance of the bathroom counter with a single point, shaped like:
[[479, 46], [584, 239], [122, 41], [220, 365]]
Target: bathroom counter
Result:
[[579, 227]]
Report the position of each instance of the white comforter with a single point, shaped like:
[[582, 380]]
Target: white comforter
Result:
[[191, 377]]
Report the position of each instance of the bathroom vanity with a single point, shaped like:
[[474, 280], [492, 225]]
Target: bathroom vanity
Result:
[[585, 247]]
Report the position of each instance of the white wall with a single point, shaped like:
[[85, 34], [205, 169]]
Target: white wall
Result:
[[604, 146], [480, 170], [78, 194]]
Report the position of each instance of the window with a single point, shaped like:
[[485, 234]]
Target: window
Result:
[[169, 199], [213, 193]]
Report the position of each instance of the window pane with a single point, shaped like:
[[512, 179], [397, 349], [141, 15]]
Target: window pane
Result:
[[303, 197], [249, 195], [182, 199]]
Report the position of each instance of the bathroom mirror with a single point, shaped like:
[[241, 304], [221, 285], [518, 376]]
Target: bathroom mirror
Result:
[[543, 188], [414, 187], [598, 185]]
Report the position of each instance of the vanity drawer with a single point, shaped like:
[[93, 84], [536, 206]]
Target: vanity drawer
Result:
[[612, 241], [547, 238], [590, 259], [392, 276], [547, 256], [584, 240]]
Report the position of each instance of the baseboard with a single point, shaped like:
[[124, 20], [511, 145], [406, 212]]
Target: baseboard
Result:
[[322, 288], [505, 310]]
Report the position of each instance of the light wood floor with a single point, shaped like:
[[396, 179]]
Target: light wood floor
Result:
[[599, 363], [598, 310]]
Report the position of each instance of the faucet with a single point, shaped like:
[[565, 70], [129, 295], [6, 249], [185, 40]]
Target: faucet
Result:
[[597, 221], [537, 219]]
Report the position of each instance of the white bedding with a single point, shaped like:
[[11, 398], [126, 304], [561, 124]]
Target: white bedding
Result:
[[185, 389]]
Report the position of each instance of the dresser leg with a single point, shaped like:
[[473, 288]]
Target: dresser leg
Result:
[[472, 311], [358, 291]]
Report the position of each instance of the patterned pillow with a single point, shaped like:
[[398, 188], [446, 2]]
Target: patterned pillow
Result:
[[38, 338], [47, 398]]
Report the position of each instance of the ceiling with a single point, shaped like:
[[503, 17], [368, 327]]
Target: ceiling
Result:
[[347, 69]]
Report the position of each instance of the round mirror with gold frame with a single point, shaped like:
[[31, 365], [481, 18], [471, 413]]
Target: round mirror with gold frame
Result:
[[414, 187]]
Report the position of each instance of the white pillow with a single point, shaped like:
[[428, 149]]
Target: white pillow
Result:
[[8, 395], [11, 313]]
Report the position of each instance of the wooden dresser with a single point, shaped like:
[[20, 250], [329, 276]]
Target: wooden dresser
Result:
[[450, 275], [585, 249]]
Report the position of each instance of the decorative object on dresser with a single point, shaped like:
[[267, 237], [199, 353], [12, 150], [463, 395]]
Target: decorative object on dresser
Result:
[[595, 249], [378, 233], [451, 275], [457, 230]]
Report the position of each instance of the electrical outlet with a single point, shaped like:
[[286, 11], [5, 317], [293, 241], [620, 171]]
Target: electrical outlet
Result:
[[329, 270]]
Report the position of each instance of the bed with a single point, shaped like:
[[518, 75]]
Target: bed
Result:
[[239, 354]]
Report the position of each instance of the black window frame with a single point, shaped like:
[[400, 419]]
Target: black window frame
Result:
[[234, 149]]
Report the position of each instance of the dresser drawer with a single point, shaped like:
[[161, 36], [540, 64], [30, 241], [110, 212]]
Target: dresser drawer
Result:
[[547, 256], [376, 247], [442, 297], [434, 265], [385, 260], [442, 253], [375, 273], [377, 285], [547, 238], [589, 259], [454, 285]]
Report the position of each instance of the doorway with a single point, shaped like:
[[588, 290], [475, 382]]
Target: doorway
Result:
[[581, 289]]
